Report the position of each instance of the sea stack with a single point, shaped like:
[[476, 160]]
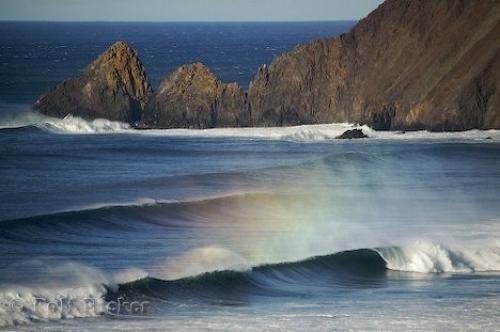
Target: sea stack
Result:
[[193, 97], [112, 87]]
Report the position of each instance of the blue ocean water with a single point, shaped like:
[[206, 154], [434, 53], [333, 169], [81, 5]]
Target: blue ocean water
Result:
[[106, 228]]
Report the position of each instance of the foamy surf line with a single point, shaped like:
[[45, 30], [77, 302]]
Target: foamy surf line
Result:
[[324, 132], [68, 125], [321, 132]]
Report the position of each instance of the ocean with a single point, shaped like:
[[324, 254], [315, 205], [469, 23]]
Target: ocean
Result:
[[103, 227]]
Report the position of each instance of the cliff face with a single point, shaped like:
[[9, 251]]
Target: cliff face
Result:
[[408, 65], [113, 87], [192, 97], [411, 64]]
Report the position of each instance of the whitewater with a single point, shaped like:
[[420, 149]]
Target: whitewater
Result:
[[75, 125]]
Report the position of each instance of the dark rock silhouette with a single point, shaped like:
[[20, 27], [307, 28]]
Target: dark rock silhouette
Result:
[[352, 134]]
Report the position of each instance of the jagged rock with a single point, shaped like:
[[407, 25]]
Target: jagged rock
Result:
[[409, 65], [352, 134], [193, 97], [231, 108], [113, 87]]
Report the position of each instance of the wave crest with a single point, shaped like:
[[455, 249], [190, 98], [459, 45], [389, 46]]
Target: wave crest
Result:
[[69, 124], [200, 260], [426, 257]]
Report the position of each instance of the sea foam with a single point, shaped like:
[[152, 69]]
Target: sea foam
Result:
[[68, 125], [427, 257], [59, 290], [322, 132]]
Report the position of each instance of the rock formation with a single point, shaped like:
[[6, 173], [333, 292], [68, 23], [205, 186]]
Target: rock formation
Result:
[[192, 97], [408, 65], [352, 134], [113, 87]]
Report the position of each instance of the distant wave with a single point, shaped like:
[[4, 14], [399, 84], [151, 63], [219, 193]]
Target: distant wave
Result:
[[75, 125], [142, 205], [114, 216], [68, 125]]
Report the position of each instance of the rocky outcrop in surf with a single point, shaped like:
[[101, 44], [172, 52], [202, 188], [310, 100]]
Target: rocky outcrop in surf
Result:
[[113, 87], [193, 97], [409, 65], [352, 134]]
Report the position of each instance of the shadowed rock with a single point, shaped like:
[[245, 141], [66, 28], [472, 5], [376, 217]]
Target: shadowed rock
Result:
[[409, 65], [352, 134], [113, 87], [192, 97]]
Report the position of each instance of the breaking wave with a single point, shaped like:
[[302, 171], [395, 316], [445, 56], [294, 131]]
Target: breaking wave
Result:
[[361, 268], [427, 257], [75, 125], [227, 280], [61, 290], [21, 305], [69, 124]]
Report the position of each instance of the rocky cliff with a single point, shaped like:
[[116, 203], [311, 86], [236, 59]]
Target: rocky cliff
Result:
[[192, 97], [113, 87], [411, 64]]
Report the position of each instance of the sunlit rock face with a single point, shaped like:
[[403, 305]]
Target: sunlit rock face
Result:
[[113, 87], [193, 97]]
